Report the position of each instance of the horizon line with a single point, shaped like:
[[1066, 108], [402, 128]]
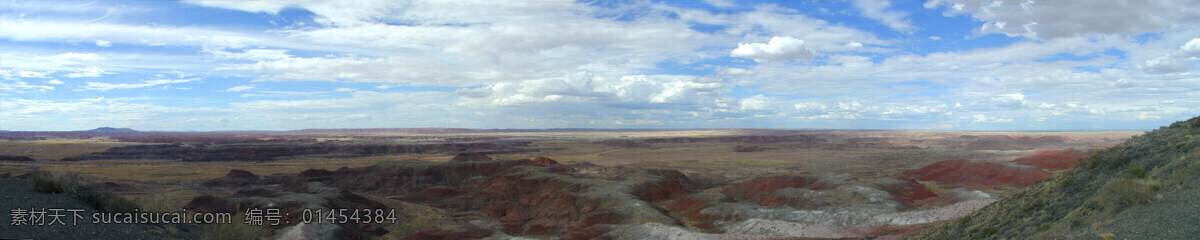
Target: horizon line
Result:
[[576, 129]]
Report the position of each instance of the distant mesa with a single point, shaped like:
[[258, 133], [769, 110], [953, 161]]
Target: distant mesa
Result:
[[240, 174], [544, 161], [15, 158], [113, 130]]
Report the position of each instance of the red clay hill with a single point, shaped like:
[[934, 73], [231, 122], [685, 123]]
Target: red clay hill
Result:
[[978, 174], [1054, 159]]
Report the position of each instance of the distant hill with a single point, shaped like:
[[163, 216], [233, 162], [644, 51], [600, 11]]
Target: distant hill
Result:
[[112, 130], [1145, 188]]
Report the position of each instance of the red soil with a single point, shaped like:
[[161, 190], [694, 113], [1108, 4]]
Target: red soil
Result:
[[550, 163], [1054, 159], [978, 174], [764, 185], [908, 191], [673, 184]]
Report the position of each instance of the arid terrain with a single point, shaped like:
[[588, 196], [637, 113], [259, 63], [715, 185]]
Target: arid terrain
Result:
[[565, 183]]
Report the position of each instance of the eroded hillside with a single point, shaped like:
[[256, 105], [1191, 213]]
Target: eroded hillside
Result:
[[1144, 188]]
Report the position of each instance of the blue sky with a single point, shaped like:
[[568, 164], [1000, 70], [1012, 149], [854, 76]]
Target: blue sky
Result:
[[828, 64]]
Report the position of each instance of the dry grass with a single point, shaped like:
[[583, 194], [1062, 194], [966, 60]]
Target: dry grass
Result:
[[56, 149]]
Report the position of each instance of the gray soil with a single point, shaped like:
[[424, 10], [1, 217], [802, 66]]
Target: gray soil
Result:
[[18, 193], [1175, 216]]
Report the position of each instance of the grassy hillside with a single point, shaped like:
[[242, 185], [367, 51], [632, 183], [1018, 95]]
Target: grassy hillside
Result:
[[1099, 195]]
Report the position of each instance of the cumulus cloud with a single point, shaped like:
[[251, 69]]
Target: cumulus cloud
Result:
[[878, 10], [1175, 62], [1190, 49], [564, 63], [1010, 101], [633, 91], [778, 49], [980, 118], [1165, 64]]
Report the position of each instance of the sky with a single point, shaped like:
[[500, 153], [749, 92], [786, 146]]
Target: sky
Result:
[[212, 65]]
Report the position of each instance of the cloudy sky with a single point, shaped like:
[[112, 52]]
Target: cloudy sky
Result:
[[853, 64]]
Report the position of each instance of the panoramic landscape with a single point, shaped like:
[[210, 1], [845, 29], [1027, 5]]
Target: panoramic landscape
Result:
[[572, 183], [623, 119]]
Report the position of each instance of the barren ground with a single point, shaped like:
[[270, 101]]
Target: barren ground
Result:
[[712, 160]]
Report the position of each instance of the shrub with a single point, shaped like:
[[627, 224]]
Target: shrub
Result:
[[987, 231], [1123, 192], [1065, 182], [43, 182], [87, 193], [1136, 172]]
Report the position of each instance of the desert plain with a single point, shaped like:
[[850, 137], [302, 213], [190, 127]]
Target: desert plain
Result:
[[561, 183]]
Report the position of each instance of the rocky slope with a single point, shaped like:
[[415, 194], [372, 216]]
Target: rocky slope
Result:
[[1144, 188]]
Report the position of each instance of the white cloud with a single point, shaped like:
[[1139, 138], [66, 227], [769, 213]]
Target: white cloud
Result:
[[778, 49], [253, 54], [1190, 49], [241, 88], [280, 93], [878, 11], [634, 91], [100, 86], [518, 64], [1148, 116], [1165, 64], [1175, 62], [721, 3], [88, 72], [33, 74], [980, 118], [756, 102], [1062, 19], [1010, 101], [78, 56], [18, 86], [20, 30]]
